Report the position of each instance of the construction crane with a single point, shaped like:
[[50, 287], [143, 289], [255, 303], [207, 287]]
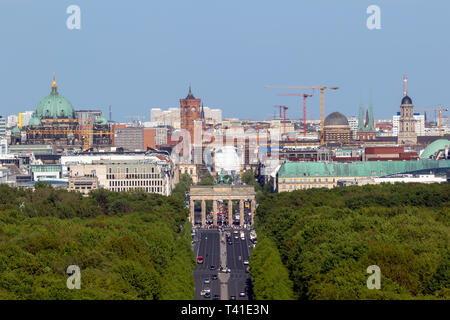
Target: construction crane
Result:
[[279, 107], [322, 102], [440, 109], [284, 118], [304, 106]]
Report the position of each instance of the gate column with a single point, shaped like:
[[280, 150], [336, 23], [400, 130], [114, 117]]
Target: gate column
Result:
[[230, 213], [215, 212], [241, 212], [192, 211], [203, 213]]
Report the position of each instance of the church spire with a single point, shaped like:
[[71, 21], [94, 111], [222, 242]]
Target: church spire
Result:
[[190, 95], [371, 123], [361, 114]]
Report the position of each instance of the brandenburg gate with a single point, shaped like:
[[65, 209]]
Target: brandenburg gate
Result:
[[222, 192]]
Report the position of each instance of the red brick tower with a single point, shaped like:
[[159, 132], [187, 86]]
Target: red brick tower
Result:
[[190, 111]]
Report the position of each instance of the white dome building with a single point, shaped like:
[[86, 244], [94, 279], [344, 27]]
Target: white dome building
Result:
[[226, 159]]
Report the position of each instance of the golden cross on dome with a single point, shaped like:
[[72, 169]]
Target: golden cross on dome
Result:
[[54, 81]]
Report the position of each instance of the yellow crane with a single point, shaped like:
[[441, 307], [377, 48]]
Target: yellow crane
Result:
[[322, 102], [85, 133], [440, 108]]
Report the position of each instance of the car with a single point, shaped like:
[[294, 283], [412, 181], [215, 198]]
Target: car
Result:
[[232, 297], [242, 294], [207, 295], [245, 262], [216, 297], [230, 242], [207, 280], [200, 260], [214, 277], [204, 291], [247, 269], [212, 267]]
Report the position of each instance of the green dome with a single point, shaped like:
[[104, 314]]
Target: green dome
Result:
[[101, 120], [34, 121], [54, 106], [15, 131], [434, 147]]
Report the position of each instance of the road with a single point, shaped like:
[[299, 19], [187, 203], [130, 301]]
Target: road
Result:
[[207, 245], [237, 253]]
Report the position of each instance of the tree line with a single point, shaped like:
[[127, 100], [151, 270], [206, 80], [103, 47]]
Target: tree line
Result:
[[318, 243], [128, 245]]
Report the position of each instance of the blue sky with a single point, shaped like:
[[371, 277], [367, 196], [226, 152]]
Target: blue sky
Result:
[[135, 55]]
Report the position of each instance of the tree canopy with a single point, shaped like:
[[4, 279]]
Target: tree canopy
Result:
[[327, 238], [206, 180], [128, 245]]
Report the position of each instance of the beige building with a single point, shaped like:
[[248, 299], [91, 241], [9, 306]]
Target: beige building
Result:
[[150, 173], [83, 184], [190, 169], [337, 128]]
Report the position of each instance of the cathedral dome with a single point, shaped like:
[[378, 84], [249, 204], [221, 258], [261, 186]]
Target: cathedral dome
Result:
[[101, 120], [15, 131], [336, 119], [34, 121], [54, 106], [406, 100]]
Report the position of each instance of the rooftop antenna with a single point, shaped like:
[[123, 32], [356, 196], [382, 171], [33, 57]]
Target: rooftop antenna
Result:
[[405, 85], [110, 114]]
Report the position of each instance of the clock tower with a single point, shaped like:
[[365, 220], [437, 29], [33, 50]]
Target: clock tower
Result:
[[190, 111]]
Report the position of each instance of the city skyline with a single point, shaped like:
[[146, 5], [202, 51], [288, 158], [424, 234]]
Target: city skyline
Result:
[[143, 57]]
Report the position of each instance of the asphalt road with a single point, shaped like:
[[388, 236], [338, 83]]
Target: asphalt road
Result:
[[208, 247], [236, 254]]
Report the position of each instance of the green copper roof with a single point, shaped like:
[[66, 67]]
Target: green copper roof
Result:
[[356, 169], [434, 147], [54, 106], [34, 121], [15, 130], [101, 120]]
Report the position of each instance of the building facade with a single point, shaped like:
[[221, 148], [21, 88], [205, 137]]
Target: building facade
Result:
[[306, 175], [2, 127], [337, 129], [153, 173]]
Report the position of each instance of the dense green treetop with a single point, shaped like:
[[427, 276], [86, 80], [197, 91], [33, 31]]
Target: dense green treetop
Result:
[[128, 245], [328, 238]]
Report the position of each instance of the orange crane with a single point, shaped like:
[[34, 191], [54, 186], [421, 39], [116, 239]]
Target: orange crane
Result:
[[440, 109], [304, 106], [322, 102]]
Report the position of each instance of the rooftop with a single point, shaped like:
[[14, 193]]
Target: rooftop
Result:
[[357, 169]]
